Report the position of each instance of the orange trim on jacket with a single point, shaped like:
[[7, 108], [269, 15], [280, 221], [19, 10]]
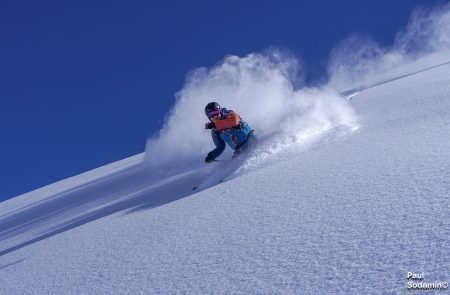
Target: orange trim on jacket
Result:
[[231, 120]]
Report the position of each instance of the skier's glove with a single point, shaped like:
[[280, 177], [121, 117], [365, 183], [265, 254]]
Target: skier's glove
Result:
[[209, 158], [209, 125]]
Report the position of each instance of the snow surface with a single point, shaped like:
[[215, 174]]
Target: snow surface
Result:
[[350, 208]]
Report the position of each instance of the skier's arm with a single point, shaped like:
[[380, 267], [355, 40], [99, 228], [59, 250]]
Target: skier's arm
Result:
[[219, 143], [231, 120]]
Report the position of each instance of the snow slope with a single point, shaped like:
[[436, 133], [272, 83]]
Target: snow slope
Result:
[[352, 211]]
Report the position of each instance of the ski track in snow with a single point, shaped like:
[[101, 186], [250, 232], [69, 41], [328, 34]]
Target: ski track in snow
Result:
[[341, 213]]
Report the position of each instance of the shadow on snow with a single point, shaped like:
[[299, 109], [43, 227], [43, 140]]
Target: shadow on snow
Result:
[[134, 189]]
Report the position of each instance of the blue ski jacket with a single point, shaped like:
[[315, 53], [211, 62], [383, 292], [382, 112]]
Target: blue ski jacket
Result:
[[231, 130]]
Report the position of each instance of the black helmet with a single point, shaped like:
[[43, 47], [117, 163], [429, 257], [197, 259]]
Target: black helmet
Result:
[[211, 107]]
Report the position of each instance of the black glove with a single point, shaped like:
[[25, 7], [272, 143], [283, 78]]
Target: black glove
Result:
[[209, 125], [209, 158]]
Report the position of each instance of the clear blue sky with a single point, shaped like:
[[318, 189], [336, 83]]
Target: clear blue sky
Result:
[[84, 83]]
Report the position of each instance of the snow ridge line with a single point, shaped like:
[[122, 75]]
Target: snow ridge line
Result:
[[352, 92]]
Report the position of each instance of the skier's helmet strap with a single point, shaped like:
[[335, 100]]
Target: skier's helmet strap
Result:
[[212, 106]]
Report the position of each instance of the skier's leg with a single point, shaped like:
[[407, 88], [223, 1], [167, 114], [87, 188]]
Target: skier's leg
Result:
[[244, 146]]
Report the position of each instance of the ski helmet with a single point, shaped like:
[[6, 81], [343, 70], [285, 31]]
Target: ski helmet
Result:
[[211, 107]]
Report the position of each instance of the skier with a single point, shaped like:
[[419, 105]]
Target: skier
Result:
[[226, 127]]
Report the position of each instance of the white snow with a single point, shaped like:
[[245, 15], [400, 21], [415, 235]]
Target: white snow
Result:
[[351, 208]]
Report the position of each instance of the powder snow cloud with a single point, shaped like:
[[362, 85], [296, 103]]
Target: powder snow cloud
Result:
[[265, 89], [359, 61]]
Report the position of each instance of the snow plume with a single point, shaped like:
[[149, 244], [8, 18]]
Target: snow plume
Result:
[[264, 89], [359, 62]]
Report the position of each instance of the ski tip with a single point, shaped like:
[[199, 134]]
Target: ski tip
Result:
[[194, 188]]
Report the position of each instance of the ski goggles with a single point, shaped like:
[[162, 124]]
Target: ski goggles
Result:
[[213, 113]]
